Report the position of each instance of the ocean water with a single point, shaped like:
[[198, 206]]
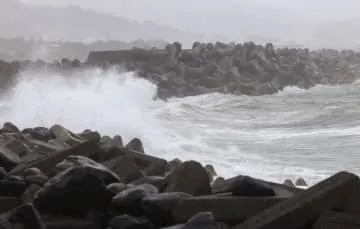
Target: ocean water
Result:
[[294, 133]]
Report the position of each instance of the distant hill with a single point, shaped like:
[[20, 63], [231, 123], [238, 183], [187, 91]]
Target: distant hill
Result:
[[76, 24]]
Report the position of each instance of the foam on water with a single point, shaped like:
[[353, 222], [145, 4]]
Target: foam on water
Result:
[[293, 133], [106, 101]]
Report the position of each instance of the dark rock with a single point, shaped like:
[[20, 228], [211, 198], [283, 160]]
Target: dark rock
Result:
[[330, 194], [75, 160], [219, 181], [9, 127], [62, 222], [48, 163], [8, 203], [125, 168], [129, 222], [77, 190], [12, 188], [76, 63], [40, 179], [200, 220], [32, 172], [129, 200], [3, 174], [157, 181], [289, 182], [159, 208], [116, 188], [30, 192], [135, 144], [189, 177], [18, 146], [25, 215], [90, 135], [15, 178], [39, 133], [225, 208], [210, 171], [150, 165], [105, 144], [247, 186], [8, 159], [174, 164], [300, 182], [117, 141]]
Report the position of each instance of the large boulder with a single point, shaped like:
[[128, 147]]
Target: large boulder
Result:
[[77, 190], [8, 159], [244, 186], [125, 168], [136, 145], [190, 177], [129, 200], [159, 208]]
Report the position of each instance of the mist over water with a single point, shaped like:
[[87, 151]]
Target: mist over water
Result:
[[308, 133]]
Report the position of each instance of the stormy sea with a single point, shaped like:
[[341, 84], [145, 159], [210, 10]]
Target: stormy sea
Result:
[[294, 133]]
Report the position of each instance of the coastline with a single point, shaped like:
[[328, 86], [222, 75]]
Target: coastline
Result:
[[54, 178], [240, 69]]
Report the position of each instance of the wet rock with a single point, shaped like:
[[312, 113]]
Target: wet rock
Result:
[[3, 174], [15, 178], [129, 200], [289, 182], [62, 222], [116, 188], [117, 141], [28, 195], [39, 179], [300, 182], [47, 163], [66, 136], [8, 159], [247, 186], [174, 164], [200, 220], [75, 63], [10, 127], [159, 208], [39, 133], [76, 190], [18, 146], [90, 135], [105, 143], [219, 181], [25, 216], [129, 222], [244, 186], [136, 145], [76, 160], [157, 181], [125, 168], [12, 187], [210, 171], [32, 172], [189, 177]]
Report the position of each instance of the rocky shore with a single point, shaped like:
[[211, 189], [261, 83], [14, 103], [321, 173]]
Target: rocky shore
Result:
[[57, 179], [242, 69]]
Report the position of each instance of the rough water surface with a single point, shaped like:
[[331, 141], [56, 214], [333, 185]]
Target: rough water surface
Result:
[[294, 133]]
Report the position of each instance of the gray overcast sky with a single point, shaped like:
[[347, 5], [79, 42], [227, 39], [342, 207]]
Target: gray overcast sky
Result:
[[291, 20], [148, 10]]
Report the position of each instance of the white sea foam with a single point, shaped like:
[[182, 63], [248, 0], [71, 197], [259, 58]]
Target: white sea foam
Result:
[[308, 133]]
